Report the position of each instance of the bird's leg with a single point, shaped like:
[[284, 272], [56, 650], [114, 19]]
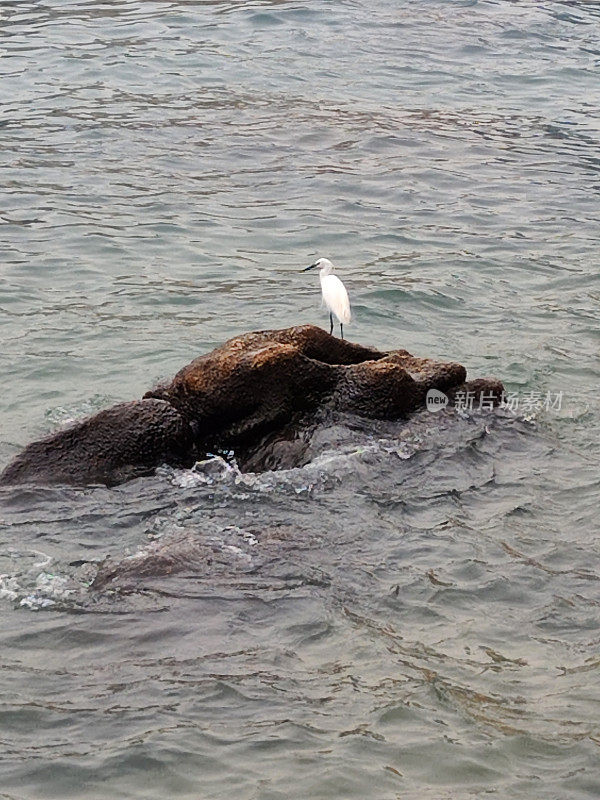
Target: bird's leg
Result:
[[331, 320], [341, 330]]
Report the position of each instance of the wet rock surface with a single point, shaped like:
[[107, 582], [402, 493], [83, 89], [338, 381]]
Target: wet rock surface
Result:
[[260, 395]]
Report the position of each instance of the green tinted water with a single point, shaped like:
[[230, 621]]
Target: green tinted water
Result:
[[167, 170]]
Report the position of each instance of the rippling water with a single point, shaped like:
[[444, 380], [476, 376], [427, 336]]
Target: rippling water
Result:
[[415, 612]]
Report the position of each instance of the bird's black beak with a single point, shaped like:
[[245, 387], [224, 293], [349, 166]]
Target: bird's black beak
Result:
[[312, 266]]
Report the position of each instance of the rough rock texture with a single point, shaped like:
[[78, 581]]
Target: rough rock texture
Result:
[[235, 398], [114, 446], [257, 381]]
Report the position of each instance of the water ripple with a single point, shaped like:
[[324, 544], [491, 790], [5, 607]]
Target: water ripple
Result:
[[415, 608]]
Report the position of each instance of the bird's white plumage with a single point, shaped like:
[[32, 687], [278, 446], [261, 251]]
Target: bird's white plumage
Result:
[[335, 297]]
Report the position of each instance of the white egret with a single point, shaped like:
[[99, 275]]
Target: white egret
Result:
[[334, 293]]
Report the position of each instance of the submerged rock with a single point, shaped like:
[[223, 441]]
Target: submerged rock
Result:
[[254, 395]]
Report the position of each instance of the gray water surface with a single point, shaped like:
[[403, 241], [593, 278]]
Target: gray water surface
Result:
[[415, 612]]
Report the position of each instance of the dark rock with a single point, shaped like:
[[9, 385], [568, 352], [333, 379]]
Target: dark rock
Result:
[[114, 446], [158, 560], [257, 389], [257, 381]]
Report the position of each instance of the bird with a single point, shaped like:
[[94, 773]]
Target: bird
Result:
[[335, 296]]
